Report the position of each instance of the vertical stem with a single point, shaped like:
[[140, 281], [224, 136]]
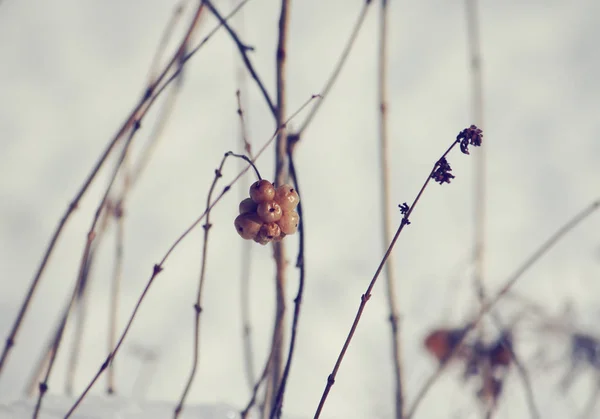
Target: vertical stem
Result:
[[385, 205], [479, 190], [82, 301], [477, 109], [115, 290], [280, 178]]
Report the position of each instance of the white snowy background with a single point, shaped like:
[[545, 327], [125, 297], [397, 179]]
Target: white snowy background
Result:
[[71, 71]]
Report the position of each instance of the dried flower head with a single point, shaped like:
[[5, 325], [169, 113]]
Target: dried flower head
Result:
[[469, 136], [442, 174]]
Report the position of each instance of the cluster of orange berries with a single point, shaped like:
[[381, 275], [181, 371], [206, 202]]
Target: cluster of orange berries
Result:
[[269, 214]]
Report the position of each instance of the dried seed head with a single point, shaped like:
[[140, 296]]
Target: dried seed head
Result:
[[248, 225], [469, 136], [269, 211], [262, 191], [287, 197], [247, 205], [289, 222], [442, 174]]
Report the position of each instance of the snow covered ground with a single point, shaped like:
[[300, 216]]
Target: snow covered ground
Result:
[[114, 408]]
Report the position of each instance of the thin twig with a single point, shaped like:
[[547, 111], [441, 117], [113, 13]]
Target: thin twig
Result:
[[386, 224], [198, 305], [276, 412], [81, 301], [130, 178], [367, 295], [81, 276], [142, 107], [165, 38], [510, 282], [115, 288], [243, 130], [243, 48], [281, 174], [160, 266], [338, 67]]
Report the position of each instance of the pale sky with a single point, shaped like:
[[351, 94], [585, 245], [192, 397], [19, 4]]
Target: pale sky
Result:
[[71, 71]]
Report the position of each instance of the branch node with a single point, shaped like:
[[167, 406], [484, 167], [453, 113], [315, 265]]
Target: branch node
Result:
[[43, 388], [148, 93], [157, 269], [106, 363]]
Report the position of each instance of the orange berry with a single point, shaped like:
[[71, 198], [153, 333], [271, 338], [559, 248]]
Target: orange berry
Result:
[[289, 222], [247, 205], [267, 232], [269, 211], [287, 197], [248, 225], [262, 191]]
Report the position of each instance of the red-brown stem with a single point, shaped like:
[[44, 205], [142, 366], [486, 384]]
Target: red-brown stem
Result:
[[276, 412], [281, 175], [386, 224], [365, 297], [115, 288], [82, 298]]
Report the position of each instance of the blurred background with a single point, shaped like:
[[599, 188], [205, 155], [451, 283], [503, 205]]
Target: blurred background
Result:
[[71, 73]]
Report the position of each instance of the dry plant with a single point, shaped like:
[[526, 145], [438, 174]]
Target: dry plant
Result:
[[488, 361]]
